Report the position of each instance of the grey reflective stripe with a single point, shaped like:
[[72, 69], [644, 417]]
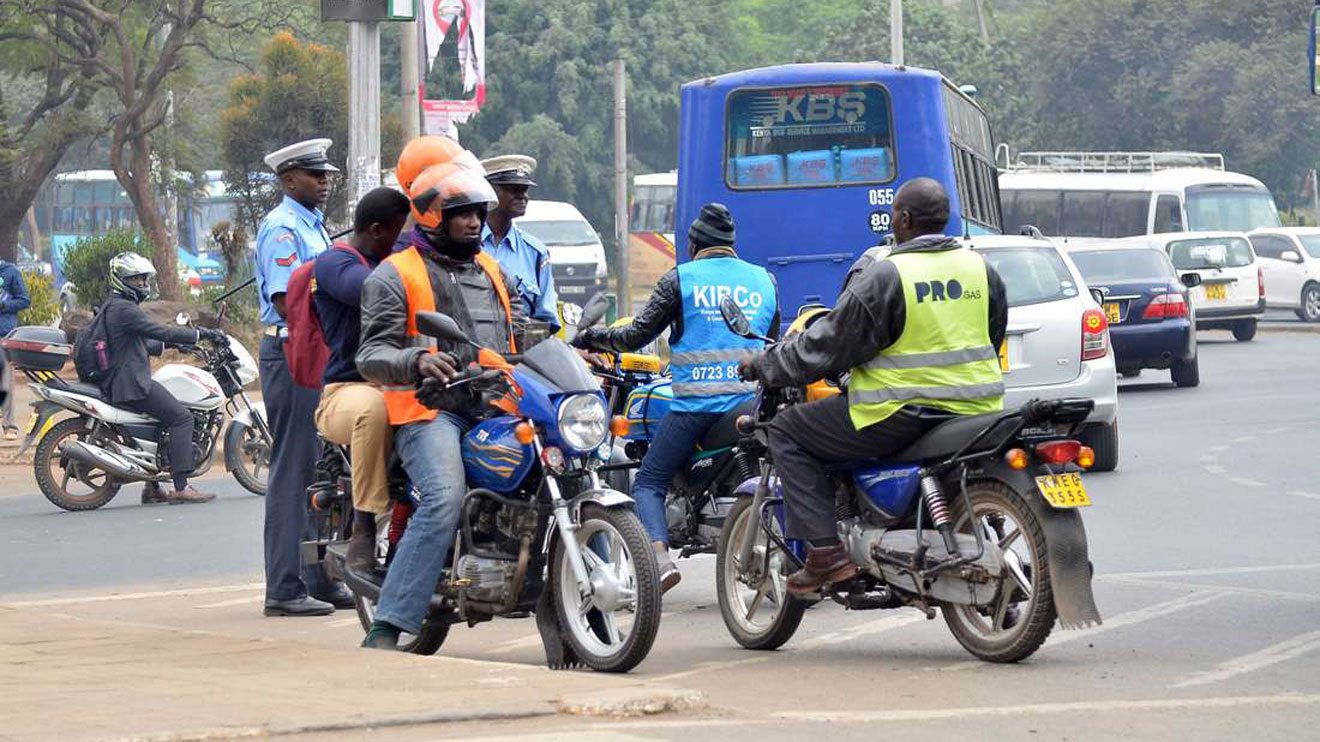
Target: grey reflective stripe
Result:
[[399, 387], [906, 393], [938, 358], [711, 388], [696, 357]]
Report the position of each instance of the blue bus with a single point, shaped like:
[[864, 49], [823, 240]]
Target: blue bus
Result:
[[808, 157]]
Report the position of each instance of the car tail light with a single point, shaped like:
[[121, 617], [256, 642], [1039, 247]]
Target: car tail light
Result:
[[1260, 283], [1095, 339], [1058, 452], [1166, 306]]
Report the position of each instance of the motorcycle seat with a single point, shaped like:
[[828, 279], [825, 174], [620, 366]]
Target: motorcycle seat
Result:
[[724, 433], [87, 390], [947, 437]]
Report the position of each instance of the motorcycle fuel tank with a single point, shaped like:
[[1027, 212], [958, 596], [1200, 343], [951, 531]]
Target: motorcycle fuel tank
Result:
[[492, 456], [646, 406], [195, 388]]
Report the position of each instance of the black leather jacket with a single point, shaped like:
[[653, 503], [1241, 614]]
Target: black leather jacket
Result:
[[868, 318]]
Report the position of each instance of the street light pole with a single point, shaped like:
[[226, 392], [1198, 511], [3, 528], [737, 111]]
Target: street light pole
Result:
[[408, 59], [896, 32], [364, 109], [621, 188]]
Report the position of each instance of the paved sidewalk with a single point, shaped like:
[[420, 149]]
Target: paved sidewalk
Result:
[[70, 678]]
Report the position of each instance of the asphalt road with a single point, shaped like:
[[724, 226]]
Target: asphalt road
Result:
[[1207, 572]]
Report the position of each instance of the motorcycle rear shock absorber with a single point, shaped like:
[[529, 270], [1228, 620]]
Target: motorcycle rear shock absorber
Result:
[[933, 495], [746, 465], [399, 520]]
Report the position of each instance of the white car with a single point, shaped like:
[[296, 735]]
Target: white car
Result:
[[1289, 258], [1231, 295], [1057, 343]]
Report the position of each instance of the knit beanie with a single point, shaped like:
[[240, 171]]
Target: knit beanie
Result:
[[712, 228]]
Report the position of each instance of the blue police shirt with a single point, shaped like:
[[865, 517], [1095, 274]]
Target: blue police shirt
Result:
[[523, 257], [290, 235]]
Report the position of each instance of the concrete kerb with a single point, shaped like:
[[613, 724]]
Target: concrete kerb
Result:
[[371, 722], [1296, 327]]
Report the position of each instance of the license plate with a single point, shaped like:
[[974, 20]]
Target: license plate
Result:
[[572, 289], [1216, 291], [1064, 490], [1003, 356], [1112, 313], [31, 423]]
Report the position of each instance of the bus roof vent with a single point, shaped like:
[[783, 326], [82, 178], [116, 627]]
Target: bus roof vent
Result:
[[1115, 162]]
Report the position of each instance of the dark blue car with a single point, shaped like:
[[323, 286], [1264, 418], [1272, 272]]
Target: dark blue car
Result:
[[1151, 321]]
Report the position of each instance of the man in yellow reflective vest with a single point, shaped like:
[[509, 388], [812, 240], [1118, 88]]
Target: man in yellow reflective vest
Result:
[[918, 330]]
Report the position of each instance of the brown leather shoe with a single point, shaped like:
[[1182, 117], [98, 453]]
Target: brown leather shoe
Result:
[[361, 556], [826, 565], [152, 494], [187, 495]]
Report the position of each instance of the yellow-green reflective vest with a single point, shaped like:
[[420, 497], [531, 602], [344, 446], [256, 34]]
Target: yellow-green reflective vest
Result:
[[943, 358]]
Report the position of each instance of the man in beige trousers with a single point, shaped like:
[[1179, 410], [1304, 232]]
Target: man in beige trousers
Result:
[[352, 410]]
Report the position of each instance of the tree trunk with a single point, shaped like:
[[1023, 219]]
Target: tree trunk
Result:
[[135, 177]]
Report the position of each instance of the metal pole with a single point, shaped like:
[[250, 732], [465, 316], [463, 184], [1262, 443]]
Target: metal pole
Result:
[[621, 186], [980, 19], [364, 109], [410, 61], [896, 31], [1315, 194]]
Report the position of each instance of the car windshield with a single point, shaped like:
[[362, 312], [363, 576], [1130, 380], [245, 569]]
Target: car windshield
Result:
[[1032, 275], [1312, 245], [1116, 266], [1217, 252], [1218, 208], [560, 232]]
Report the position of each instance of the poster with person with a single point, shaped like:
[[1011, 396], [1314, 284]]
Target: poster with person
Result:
[[462, 22]]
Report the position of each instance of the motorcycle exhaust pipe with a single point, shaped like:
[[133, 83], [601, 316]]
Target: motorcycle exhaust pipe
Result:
[[99, 458]]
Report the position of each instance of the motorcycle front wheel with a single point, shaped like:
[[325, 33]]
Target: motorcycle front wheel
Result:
[[247, 456], [612, 628], [754, 601], [1019, 618], [65, 482]]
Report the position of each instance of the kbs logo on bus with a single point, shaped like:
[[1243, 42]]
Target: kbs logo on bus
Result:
[[813, 106]]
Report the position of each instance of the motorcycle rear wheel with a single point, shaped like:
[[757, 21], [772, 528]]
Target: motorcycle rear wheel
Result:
[[741, 601], [428, 642], [55, 479], [1020, 617], [621, 565]]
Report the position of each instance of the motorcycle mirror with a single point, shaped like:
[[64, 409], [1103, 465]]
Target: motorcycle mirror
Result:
[[594, 310], [182, 319], [735, 319], [442, 327]]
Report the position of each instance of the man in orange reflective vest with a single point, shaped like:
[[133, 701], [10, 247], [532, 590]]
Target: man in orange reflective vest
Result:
[[442, 269]]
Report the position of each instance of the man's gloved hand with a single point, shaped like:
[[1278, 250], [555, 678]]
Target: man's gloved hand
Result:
[[589, 338], [213, 335], [438, 365], [747, 370]]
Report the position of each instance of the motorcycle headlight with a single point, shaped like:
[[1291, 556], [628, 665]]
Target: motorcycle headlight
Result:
[[583, 421]]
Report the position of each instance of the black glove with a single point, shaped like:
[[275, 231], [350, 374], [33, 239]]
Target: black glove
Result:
[[589, 338], [747, 370], [213, 335]]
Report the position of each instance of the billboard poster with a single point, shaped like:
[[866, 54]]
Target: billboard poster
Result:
[[462, 22]]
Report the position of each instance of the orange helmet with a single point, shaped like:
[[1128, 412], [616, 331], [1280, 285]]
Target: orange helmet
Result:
[[421, 153], [449, 186]]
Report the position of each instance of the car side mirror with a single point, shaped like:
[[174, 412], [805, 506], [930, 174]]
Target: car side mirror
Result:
[[594, 310], [442, 327], [1291, 256], [1190, 280], [1099, 295]]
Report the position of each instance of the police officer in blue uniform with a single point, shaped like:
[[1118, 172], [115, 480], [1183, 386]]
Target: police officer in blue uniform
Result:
[[292, 233], [703, 361], [521, 255]]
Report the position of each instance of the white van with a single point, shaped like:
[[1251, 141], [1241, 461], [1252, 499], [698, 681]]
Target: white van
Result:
[[577, 257], [1231, 295], [1124, 194]]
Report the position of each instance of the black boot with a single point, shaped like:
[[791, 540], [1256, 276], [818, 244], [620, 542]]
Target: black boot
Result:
[[361, 555]]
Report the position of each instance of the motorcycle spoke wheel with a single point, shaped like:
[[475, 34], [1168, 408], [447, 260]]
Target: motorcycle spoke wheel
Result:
[[67, 483], [612, 626], [247, 456], [1016, 621], [428, 642], [754, 599]]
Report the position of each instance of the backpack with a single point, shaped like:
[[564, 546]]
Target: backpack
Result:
[[91, 351], [306, 349]]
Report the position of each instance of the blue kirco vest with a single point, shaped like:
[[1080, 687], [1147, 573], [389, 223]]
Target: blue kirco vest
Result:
[[704, 362]]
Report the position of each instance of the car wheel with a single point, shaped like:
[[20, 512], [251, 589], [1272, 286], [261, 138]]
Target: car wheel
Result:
[[1244, 330], [1103, 439], [1310, 308], [1186, 373]]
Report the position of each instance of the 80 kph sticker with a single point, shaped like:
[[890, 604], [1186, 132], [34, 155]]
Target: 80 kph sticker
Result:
[[879, 219]]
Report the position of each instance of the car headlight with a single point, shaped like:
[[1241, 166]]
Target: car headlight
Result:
[[583, 421]]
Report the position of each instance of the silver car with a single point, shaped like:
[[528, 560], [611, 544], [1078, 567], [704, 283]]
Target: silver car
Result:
[[1057, 343]]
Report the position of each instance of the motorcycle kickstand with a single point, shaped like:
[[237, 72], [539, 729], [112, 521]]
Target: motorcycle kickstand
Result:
[[558, 654]]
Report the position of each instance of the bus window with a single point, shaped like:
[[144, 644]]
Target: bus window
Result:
[[1125, 214], [1082, 213], [1168, 215], [807, 137], [1038, 208]]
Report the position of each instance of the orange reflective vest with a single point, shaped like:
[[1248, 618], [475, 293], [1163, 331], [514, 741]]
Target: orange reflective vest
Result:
[[401, 400]]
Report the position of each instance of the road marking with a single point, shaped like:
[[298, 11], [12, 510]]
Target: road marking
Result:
[[1243, 481], [181, 592], [1308, 495], [1179, 585], [1212, 571], [1217, 449], [227, 603], [1208, 458], [888, 623], [1051, 708], [522, 643], [1120, 621], [1216, 469], [1271, 655], [1242, 439]]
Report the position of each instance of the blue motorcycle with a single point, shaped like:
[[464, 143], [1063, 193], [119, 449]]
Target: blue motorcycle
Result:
[[538, 533]]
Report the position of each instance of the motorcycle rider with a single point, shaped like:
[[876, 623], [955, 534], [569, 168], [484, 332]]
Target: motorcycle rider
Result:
[[703, 361], [442, 269], [129, 385], [918, 329], [352, 411]]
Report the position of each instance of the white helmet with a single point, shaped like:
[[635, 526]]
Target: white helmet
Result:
[[130, 265]]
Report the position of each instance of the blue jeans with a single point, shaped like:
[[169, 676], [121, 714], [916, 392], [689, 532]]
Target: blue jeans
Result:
[[433, 458], [671, 447]]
